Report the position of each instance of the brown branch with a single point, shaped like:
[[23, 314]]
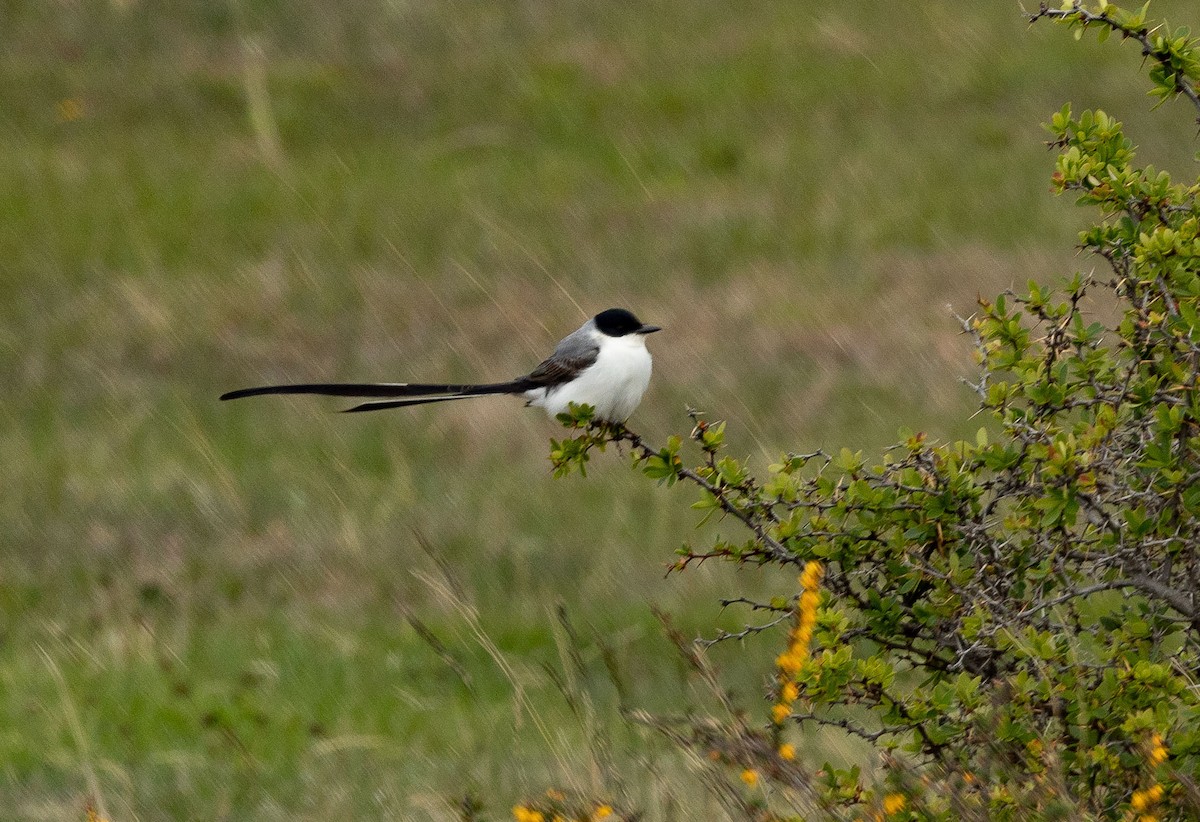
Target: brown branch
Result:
[[1141, 35], [1184, 604], [772, 546]]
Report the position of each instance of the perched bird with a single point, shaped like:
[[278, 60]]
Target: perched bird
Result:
[[603, 364]]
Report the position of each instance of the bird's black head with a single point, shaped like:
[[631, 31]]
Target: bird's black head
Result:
[[617, 322]]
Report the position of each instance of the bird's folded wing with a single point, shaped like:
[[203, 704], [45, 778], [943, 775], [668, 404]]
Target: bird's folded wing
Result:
[[563, 366]]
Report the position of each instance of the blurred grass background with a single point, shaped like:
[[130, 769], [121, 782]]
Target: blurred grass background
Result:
[[207, 611]]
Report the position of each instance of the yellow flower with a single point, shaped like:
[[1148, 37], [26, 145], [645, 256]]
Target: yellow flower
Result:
[[602, 812], [812, 575], [750, 777], [787, 751], [789, 662], [893, 803], [523, 814], [1141, 800], [1158, 751]]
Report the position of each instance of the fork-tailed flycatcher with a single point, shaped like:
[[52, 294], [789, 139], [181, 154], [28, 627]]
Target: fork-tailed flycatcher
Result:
[[604, 364]]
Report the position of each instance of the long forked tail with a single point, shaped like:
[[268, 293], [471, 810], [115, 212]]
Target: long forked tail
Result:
[[387, 394]]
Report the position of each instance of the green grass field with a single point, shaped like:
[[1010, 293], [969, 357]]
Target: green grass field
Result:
[[214, 611]]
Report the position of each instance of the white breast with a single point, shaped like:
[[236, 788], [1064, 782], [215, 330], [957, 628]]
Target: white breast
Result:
[[613, 385]]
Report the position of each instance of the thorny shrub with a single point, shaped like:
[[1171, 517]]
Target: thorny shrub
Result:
[[1012, 623]]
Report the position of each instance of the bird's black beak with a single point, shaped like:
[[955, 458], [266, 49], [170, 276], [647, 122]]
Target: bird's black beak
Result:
[[649, 329]]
